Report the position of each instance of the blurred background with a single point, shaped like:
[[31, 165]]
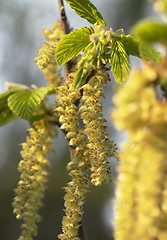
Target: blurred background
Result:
[[21, 24]]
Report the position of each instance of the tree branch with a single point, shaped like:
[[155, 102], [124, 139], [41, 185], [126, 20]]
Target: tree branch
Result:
[[66, 30], [64, 20]]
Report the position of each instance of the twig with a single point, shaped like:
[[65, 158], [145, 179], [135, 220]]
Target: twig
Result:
[[66, 30], [64, 21]]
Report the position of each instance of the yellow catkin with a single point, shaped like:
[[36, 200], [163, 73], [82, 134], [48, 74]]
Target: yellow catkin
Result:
[[77, 188], [33, 178], [99, 145], [46, 60], [142, 174]]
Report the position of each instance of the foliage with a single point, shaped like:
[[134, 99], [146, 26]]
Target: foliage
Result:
[[87, 10], [72, 44], [24, 103], [6, 114], [77, 111], [151, 31]]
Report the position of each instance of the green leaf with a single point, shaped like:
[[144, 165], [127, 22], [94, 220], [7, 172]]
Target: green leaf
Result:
[[6, 115], [72, 44], [85, 9], [149, 53], [4, 97], [119, 60], [151, 31], [131, 45], [24, 103], [141, 49]]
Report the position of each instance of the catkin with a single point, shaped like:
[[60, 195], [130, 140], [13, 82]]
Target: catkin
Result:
[[142, 174]]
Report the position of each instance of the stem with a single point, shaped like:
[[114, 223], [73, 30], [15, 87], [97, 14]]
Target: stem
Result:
[[64, 20], [66, 30]]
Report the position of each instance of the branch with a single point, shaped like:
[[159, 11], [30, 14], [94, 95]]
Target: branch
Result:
[[64, 20], [66, 30]]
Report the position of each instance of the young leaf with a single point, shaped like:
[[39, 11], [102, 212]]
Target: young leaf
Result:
[[72, 44], [6, 115], [119, 60], [151, 31], [24, 103], [85, 9], [131, 45], [141, 49], [149, 53], [4, 97], [106, 57], [87, 64]]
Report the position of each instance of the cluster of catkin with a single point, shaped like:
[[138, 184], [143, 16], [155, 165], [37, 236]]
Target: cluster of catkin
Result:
[[142, 181], [46, 60], [33, 166], [82, 120]]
